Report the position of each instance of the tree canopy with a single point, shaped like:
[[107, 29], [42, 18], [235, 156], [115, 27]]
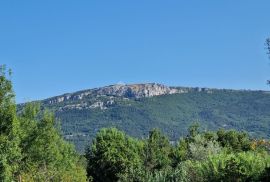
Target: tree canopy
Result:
[[31, 146]]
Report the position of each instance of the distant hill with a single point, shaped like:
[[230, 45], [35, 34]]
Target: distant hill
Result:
[[138, 108]]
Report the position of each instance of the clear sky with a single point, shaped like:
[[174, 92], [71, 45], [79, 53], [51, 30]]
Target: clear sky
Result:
[[59, 46]]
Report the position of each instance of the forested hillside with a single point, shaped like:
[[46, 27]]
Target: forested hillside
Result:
[[172, 109]]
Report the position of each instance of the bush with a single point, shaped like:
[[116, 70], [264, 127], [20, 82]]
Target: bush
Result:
[[244, 166]]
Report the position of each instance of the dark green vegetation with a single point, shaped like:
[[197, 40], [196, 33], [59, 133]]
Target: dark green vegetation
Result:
[[213, 109], [227, 156], [31, 148]]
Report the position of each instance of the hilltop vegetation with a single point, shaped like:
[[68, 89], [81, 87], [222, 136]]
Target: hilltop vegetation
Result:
[[82, 115]]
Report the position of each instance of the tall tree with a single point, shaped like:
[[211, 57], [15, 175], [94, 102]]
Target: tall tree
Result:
[[157, 151], [31, 148], [46, 156], [10, 153]]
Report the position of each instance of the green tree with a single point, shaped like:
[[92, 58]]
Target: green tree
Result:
[[157, 151], [10, 153], [180, 152], [112, 154], [193, 131], [46, 156], [201, 148], [237, 141], [31, 148]]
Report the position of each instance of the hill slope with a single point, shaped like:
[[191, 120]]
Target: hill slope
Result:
[[138, 108]]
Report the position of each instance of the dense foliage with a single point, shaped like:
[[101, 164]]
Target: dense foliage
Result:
[[111, 154], [31, 146], [10, 152], [200, 156]]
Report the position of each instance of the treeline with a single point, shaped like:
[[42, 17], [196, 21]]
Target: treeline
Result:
[[200, 156], [32, 149]]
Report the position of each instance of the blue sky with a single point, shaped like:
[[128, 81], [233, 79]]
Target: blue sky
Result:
[[59, 46]]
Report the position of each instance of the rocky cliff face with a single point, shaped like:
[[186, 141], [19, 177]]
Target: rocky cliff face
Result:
[[105, 97], [136, 90], [119, 90]]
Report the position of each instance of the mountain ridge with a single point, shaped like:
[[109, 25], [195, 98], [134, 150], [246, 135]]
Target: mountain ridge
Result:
[[137, 108], [129, 91]]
